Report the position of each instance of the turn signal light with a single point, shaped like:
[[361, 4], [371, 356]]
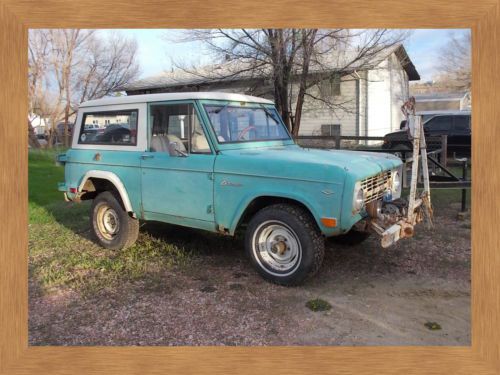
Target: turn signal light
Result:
[[329, 222]]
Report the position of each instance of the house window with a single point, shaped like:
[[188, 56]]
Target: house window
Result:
[[330, 87], [330, 130]]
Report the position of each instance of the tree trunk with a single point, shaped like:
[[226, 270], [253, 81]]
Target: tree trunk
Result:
[[66, 123], [32, 139], [51, 132], [308, 43], [298, 113], [281, 97]]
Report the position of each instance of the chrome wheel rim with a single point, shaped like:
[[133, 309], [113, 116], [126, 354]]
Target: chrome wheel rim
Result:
[[108, 223], [277, 248]]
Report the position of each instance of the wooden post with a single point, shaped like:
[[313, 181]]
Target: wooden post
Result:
[[444, 149], [337, 141]]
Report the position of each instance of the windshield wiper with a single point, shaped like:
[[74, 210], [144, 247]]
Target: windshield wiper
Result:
[[269, 113]]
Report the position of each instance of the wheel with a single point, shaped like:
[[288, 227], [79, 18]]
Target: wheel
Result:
[[111, 224], [353, 237], [284, 244]]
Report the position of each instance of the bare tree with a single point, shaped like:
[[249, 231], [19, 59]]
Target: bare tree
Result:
[[456, 62], [288, 58], [79, 65], [38, 53], [68, 47], [109, 65]]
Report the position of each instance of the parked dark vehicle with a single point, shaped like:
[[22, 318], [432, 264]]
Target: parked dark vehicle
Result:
[[60, 129], [115, 133], [456, 125]]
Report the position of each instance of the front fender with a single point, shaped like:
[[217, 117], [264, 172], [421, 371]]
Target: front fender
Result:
[[246, 201], [233, 194]]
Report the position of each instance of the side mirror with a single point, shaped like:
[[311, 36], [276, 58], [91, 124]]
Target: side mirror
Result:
[[175, 150]]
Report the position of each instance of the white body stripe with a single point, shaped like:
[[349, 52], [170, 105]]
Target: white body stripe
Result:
[[114, 179]]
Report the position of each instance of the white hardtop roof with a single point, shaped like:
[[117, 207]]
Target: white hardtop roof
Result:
[[174, 96]]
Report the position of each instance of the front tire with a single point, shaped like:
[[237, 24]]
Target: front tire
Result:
[[284, 244], [111, 225]]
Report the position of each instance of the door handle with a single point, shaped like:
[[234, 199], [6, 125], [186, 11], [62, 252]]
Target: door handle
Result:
[[147, 156]]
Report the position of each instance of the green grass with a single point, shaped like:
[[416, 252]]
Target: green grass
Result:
[[433, 326], [318, 304], [61, 252], [443, 198], [446, 197]]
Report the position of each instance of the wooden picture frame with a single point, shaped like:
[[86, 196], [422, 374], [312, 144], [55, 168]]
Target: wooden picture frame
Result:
[[17, 16]]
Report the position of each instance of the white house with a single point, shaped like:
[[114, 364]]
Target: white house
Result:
[[38, 123], [366, 99]]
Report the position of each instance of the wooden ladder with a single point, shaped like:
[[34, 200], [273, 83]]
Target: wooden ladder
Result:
[[423, 202]]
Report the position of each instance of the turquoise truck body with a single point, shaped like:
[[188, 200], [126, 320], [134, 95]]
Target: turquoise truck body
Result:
[[212, 191]]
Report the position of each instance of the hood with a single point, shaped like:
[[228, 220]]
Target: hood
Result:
[[293, 161]]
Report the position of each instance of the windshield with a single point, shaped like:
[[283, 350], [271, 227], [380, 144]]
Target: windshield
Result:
[[243, 124]]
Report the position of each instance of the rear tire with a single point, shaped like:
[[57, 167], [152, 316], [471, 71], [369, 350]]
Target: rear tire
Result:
[[284, 244], [111, 225]]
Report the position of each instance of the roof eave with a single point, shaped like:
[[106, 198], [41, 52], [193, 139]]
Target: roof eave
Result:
[[407, 64]]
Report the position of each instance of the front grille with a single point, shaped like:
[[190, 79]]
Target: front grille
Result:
[[375, 186]]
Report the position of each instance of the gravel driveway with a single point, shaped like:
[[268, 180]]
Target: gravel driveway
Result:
[[377, 297]]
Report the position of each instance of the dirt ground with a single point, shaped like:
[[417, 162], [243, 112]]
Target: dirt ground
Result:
[[378, 297]]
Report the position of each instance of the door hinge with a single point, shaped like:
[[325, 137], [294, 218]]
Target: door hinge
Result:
[[210, 209], [211, 176]]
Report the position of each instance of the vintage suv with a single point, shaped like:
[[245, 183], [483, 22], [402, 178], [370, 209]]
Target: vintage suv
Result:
[[219, 162]]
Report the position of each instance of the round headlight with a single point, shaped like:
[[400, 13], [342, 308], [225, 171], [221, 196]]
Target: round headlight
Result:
[[358, 200], [396, 181]]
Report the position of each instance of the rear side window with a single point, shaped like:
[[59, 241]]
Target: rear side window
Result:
[[462, 123], [439, 123], [109, 128]]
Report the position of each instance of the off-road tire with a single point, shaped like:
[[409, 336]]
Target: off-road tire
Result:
[[128, 227], [351, 238], [300, 223]]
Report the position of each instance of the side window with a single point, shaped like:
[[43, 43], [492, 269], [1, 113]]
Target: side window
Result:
[[109, 128], [461, 123], [179, 124], [439, 124]]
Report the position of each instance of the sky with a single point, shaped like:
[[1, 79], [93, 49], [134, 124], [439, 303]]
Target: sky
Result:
[[159, 48]]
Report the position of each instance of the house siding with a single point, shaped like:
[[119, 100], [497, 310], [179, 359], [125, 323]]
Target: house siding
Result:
[[316, 113], [368, 105], [400, 91], [388, 88], [379, 101]]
